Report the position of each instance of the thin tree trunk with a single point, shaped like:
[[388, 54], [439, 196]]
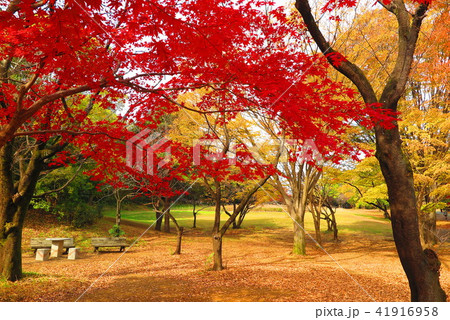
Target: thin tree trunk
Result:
[[194, 213], [334, 225], [179, 237], [167, 215], [316, 217], [217, 250], [235, 226], [166, 223], [195, 221], [118, 212], [179, 232], [217, 236], [299, 236], [158, 216]]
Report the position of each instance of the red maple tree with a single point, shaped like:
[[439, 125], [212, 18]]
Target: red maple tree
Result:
[[60, 60]]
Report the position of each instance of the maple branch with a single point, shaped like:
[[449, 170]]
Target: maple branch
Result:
[[26, 87], [14, 5], [19, 119], [203, 112], [61, 94], [70, 132], [91, 102], [149, 74], [127, 82], [39, 4]]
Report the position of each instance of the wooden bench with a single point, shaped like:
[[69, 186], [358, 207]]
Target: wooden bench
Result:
[[108, 243], [41, 243]]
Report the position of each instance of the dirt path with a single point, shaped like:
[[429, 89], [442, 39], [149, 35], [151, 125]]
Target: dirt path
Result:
[[259, 267]]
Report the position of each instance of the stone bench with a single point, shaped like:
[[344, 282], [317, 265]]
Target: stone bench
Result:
[[41, 243], [109, 243]]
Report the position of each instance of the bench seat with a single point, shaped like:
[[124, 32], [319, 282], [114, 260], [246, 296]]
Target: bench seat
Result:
[[109, 242]]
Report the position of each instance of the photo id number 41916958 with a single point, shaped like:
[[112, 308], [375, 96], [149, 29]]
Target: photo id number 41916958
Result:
[[408, 312]]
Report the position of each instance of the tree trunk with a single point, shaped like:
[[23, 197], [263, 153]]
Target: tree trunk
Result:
[[195, 220], [158, 220], [167, 215], [14, 202], [194, 213], [179, 238], [315, 211], [166, 223], [237, 224], [241, 216], [216, 235], [427, 228], [11, 246], [334, 225], [217, 250], [299, 235], [317, 229], [118, 212], [179, 232], [421, 267]]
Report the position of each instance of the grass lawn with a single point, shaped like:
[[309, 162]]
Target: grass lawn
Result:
[[272, 217]]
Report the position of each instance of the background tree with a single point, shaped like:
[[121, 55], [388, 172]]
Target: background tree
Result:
[[368, 184]]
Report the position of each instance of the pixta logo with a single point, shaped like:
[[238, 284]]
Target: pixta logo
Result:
[[141, 152]]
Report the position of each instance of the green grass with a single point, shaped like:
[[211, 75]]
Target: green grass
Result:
[[350, 221]]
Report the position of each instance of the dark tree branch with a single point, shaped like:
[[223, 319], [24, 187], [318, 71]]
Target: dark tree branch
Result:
[[42, 195], [347, 68], [70, 132]]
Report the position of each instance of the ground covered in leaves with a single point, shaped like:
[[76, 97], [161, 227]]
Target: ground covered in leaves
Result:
[[259, 267]]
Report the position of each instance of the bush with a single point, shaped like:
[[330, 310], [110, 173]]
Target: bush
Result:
[[115, 231], [83, 215]]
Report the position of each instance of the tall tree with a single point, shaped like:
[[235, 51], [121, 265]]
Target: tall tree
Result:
[[421, 266]]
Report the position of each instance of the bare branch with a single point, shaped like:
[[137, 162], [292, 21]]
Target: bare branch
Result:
[[63, 186]]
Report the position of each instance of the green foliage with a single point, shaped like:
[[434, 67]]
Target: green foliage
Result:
[[115, 231], [75, 204], [432, 207], [365, 184]]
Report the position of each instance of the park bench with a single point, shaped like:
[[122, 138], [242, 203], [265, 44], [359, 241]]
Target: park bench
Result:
[[41, 243], [108, 243]]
